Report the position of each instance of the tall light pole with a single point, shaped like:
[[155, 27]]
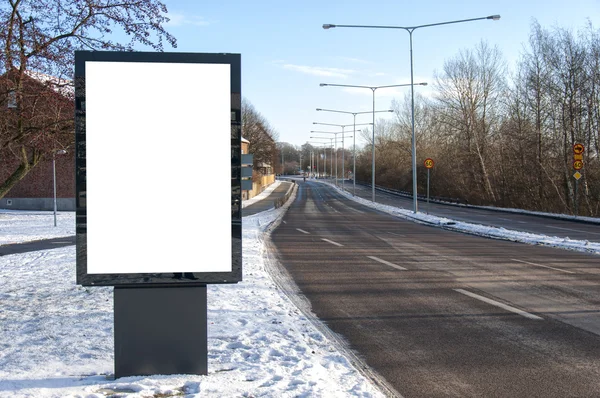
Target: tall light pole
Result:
[[324, 146], [372, 88], [343, 126], [54, 153], [354, 143], [334, 142], [410, 30]]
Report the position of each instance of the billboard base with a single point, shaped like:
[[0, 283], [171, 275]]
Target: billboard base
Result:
[[160, 330]]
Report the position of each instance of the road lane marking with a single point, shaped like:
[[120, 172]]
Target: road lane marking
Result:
[[393, 233], [545, 266], [387, 263], [303, 231], [332, 242], [574, 230], [498, 304]]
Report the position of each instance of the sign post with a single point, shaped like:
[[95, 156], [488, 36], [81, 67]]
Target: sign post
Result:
[[132, 110], [428, 165], [578, 150]]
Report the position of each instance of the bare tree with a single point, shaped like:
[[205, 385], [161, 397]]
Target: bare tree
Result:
[[262, 137], [469, 91], [38, 41]]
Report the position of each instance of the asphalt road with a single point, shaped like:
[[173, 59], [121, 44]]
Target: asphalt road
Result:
[[442, 314], [42, 244], [516, 221]]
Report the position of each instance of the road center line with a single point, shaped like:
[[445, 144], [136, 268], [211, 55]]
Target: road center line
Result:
[[303, 231], [332, 242], [545, 266], [387, 263], [498, 304]]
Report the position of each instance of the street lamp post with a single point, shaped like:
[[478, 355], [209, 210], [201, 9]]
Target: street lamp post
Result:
[[54, 153], [343, 126], [324, 154], [410, 30], [372, 88], [333, 142], [354, 143]]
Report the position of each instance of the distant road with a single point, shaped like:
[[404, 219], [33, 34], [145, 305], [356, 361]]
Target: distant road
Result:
[[515, 221], [439, 313]]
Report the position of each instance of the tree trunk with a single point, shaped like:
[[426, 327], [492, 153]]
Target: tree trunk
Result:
[[25, 166]]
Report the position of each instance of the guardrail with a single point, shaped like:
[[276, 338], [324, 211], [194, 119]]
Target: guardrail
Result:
[[465, 203], [440, 199]]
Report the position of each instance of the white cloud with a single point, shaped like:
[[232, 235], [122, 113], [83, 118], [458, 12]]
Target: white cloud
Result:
[[355, 60], [177, 19], [320, 71]]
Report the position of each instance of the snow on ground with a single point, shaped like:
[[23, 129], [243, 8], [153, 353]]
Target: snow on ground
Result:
[[25, 226], [56, 338]]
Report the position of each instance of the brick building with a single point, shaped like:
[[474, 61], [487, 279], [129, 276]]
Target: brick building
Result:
[[35, 191]]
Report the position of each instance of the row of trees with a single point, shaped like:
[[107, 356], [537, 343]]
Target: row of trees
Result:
[[499, 136], [262, 139]]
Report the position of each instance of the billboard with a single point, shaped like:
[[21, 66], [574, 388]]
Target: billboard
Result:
[[158, 139]]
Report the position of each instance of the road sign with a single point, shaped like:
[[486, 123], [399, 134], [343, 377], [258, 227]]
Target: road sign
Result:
[[428, 163], [578, 149], [578, 156], [577, 175], [578, 165]]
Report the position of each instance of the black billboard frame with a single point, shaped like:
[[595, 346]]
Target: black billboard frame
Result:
[[170, 279]]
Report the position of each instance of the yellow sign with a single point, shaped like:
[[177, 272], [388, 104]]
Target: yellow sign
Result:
[[577, 175], [428, 163], [578, 165], [578, 156], [578, 149]]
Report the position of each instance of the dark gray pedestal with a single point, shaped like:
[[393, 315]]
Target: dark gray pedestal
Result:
[[160, 330]]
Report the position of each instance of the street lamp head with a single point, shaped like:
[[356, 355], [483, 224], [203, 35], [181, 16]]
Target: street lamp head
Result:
[[323, 84], [319, 109], [494, 17], [328, 26], [423, 84]]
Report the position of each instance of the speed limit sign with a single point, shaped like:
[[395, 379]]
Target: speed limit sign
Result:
[[428, 163]]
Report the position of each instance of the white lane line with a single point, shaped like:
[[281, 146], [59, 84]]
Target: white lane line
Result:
[[545, 266], [285, 222], [387, 263], [574, 230], [498, 304], [332, 242], [393, 233], [303, 231]]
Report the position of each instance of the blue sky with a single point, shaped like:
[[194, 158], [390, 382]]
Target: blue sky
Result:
[[286, 53]]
